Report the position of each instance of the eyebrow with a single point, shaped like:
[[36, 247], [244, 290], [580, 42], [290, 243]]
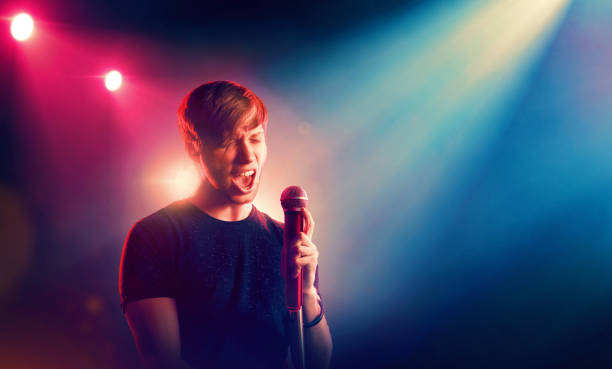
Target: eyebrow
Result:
[[255, 130]]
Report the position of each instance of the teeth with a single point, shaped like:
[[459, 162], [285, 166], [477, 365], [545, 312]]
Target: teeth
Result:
[[248, 173]]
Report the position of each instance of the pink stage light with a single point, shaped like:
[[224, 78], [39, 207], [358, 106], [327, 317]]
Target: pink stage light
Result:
[[22, 26], [184, 183], [113, 80]]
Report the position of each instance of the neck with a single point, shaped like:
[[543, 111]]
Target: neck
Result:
[[215, 204]]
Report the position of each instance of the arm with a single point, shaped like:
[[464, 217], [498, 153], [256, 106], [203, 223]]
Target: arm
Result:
[[154, 324], [317, 339]]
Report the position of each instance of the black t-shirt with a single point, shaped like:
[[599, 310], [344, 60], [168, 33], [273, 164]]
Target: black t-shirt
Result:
[[225, 278]]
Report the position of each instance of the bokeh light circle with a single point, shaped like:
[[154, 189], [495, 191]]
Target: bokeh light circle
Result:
[[22, 26]]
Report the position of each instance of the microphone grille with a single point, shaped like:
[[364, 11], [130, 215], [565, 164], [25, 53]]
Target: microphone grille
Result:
[[294, 197]]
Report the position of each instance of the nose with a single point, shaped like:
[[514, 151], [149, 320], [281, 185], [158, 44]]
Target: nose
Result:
[[246, 154]]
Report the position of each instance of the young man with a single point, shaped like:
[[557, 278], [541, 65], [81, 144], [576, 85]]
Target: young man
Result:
[[200, 280]]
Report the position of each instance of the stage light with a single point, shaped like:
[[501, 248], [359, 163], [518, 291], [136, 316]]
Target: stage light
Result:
[[113, 80], [22, 27], [185, 182]]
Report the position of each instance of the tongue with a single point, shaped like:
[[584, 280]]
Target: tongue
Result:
[[243, 181]]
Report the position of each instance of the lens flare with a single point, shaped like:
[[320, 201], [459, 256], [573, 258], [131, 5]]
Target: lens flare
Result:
[[113, 80], [22, 27]]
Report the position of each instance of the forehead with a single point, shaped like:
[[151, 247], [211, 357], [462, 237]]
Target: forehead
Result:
[[249, 129]]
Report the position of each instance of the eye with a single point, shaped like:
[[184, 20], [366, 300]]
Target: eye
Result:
[[226, 145]]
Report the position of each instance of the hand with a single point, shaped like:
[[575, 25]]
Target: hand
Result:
[[304, 255]]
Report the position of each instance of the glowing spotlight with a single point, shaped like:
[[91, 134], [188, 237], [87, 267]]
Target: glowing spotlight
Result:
[[113, 80], [22, 27], [185, 182]]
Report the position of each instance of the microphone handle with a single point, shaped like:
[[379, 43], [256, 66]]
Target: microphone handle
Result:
[[294, 224]]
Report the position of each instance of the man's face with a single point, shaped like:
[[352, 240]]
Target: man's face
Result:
[[234, 169]]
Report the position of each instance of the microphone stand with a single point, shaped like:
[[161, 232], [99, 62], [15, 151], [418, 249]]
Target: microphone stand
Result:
[[296, 316]]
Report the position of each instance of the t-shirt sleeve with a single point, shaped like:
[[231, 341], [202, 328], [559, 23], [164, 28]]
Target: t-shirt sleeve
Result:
[[146, 267]]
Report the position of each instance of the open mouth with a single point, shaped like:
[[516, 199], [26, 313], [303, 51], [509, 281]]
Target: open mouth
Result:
[[244, 180]]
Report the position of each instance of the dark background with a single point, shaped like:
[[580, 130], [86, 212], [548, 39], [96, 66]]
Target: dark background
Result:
[[497, 258]]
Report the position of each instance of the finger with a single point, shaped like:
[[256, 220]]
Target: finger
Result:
[[301, 251], [308, 222], [300, 242], [303, 262], [306, 260], [305, 251], [300, 239], [302, 246], [297, 250]]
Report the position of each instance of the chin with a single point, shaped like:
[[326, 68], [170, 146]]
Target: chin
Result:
[[244, 198]]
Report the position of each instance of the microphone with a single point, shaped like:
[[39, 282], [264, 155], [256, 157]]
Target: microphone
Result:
[[293, 200]]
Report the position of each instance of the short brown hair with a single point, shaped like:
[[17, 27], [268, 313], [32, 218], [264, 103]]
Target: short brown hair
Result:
[[211, 112]]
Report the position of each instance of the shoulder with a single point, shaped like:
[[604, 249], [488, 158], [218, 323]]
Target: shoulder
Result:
[[163, 217], [160, 224], [270, 224], [152, 243]]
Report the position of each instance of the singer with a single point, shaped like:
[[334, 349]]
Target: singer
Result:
[[200, 280]]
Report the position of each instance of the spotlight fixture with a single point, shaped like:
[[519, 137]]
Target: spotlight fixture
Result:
[[113, 80], [22, 26]]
